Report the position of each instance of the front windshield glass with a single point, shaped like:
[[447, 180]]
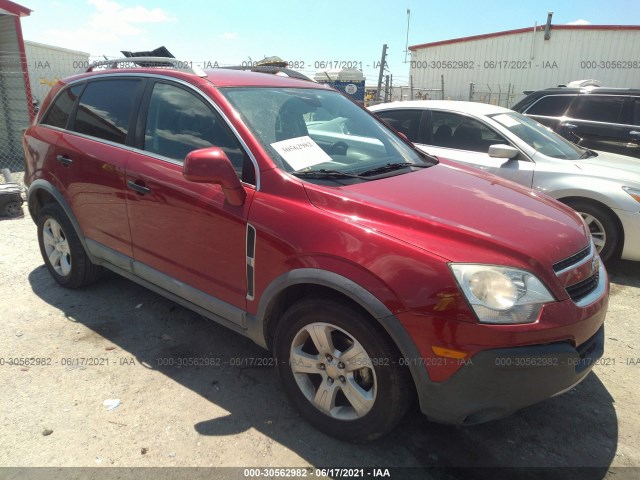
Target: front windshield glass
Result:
[[538, 136], [310, 130]]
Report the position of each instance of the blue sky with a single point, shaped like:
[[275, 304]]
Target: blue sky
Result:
[[231, 32]]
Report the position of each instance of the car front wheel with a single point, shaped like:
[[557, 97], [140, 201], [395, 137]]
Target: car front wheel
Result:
[[340, 370]]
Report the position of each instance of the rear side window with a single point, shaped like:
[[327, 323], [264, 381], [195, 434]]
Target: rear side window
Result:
[[105, 109], [551, 106], [58, 114], [179, 122], [597, 108], [405, 121]]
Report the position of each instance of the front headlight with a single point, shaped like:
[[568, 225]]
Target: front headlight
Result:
[[634, 192], [500, 294]]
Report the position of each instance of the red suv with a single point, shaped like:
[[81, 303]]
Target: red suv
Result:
[[279, 208]]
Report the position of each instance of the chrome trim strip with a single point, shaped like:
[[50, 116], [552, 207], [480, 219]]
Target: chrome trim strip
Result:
[[251, 261], [598, 291], [578, 264]]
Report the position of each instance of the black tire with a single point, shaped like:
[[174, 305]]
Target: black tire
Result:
[[602, 220], [13, 209], [74, 269], [387, 385]]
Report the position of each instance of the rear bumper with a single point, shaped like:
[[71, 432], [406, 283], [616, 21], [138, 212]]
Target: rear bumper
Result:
[[498, 382], [631, 226]]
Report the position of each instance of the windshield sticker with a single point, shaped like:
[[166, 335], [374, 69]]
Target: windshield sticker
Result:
[[506, 120], [301, 152]]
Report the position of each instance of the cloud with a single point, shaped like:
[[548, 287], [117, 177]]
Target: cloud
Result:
[[107, 28], [580, 22], [229, 35]]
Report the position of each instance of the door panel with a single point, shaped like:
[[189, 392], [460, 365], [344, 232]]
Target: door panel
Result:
[[467, 140], [594, 122], [95, 189], [187, 230], [183, 229]]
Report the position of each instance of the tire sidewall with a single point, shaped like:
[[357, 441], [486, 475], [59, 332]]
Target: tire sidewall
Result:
[[612, 244], [379, 419], [55, 213]]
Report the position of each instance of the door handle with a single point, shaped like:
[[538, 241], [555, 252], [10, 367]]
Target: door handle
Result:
[[66, 161], [141, 189], [569, 126], [635, 133]]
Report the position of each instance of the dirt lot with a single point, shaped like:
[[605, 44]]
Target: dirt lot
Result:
[[54, 415]]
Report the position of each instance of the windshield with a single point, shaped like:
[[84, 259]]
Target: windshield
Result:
[[538, 136], [311, 131]]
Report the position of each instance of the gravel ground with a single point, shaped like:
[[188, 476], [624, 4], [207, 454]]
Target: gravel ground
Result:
[[231, 414]]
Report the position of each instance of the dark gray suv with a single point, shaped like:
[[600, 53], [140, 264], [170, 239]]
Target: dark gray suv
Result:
[[598, 118]]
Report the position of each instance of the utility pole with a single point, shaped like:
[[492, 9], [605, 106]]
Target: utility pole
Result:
[[383, 61], [386, 89], [406, 47]]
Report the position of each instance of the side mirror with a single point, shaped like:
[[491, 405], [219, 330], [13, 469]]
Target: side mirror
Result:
[[503, 151], [211, 165]]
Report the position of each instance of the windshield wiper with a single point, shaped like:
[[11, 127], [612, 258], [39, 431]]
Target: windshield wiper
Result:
[[323, 173], [588, 154], [390, 167]]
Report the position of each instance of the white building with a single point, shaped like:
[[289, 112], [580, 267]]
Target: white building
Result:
[[498, 67], [48, 64]]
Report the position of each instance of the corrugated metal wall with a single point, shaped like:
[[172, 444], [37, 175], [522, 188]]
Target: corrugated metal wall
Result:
[[524, 61], [14, 110], [48, 64]]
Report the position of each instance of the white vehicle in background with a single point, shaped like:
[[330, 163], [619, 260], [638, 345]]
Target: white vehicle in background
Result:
[[603, 187]]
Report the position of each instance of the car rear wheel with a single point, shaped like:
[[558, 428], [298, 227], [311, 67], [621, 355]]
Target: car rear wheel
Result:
[[340, 370], [61, 250], [603, 227]]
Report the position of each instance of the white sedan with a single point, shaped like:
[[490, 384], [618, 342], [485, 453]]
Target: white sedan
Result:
[[603, 187]]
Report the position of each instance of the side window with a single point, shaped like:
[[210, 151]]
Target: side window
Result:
[[179, 122], [551, 106], [58, 114], [597, 108], [405, 121], [463, 133], [105, 109], [636, 111]]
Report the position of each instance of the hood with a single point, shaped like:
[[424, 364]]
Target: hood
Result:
[[612, 166], [461, 215]]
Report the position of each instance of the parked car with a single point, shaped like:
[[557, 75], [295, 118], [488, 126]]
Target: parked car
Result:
[[598, 118], [603, 187], [374, 272]]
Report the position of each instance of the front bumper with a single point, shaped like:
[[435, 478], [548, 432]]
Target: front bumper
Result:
[[498, 382], [631, 226]]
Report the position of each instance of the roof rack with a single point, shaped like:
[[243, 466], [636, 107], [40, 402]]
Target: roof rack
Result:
[[273, 69], [144, 62]]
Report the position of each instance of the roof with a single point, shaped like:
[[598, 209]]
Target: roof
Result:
[[223, 77], [587, 90], [540, 28], [451, 105], [220, 77], [12, 8]]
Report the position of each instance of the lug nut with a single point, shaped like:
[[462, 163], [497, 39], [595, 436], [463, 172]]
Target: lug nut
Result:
[[329, 358], [342, 379], [330, 381], [340, 365], [321, 366]]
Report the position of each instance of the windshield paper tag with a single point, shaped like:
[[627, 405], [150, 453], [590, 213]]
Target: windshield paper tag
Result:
[[506, 120], [301, 152]]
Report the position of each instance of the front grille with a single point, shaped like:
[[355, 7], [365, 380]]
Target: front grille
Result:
[[579, 290], [572, 260]]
